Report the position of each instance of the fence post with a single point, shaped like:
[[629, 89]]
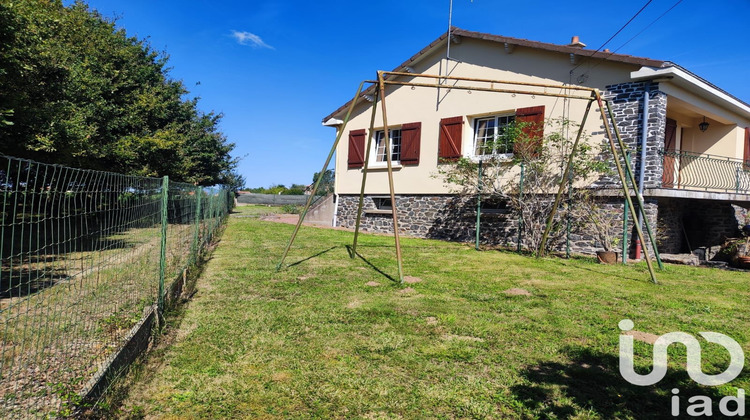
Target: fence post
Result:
[[210, 217], [196, 233], [625, 245], [520, 208], [567, 222], [479, 203], [163, 255]]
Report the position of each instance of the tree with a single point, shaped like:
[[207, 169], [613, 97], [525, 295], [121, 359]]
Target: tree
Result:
[[326, 183], [76, 90], [542, 164]]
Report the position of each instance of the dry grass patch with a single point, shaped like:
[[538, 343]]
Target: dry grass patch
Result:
[[517, 292], [642, 336]]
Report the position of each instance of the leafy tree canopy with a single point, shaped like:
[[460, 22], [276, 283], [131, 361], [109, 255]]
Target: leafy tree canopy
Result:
[[75, 90], [326, 182]]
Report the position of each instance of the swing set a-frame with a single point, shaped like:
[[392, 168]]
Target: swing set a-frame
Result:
[[591, 95]]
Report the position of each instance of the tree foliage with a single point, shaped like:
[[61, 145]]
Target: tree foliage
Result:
[[543, 167], [295, 189], [76, 90], [326, 182]]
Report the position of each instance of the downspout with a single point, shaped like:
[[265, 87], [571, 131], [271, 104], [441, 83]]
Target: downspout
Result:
[[335, 209], [642, 168]]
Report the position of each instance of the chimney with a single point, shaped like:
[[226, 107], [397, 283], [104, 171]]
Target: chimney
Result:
[[576, 42]]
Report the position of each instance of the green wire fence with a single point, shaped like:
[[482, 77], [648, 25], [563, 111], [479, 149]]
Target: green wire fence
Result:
[[89, 259]]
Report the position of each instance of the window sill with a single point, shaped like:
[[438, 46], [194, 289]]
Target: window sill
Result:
[[495, 212], [382, 166], [501, 157], [377, 211]]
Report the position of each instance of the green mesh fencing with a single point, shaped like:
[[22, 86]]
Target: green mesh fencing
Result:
[[85, 255]]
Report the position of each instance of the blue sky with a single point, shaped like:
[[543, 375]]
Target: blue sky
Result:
[[276, 68]]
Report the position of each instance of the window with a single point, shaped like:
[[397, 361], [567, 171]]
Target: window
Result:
[[383, 206], [395, 143], [491, 136], [496, 135], [494, 207], [383, 203]]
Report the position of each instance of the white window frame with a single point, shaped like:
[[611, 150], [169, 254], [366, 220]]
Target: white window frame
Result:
[[393, 132], [508, 116], [383, 203]]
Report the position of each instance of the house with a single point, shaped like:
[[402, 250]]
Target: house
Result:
[[694, 168]]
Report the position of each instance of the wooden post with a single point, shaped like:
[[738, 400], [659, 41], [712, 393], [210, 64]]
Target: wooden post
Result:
[[394, 210]]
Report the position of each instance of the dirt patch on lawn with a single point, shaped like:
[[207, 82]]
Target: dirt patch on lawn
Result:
[[372, 284], [354, 304], [411, 279], [642, 336], [517, 292]]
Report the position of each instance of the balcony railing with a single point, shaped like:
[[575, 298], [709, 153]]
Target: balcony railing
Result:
[[693, 171]]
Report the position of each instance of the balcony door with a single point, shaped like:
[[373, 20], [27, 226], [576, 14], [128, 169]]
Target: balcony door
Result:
[[671, 174]]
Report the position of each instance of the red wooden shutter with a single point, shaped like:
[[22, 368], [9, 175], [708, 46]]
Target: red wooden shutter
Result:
[[357, 148], [410, 143], [746, 156], [449, 143], [533, 118]]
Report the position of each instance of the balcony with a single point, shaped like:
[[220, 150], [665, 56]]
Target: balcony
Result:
[[703, 172]]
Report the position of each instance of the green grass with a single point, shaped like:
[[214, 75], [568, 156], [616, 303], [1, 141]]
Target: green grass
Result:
[[257, 209], [315, 341]]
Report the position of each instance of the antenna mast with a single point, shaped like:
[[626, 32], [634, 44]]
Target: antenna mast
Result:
[[450, 18]]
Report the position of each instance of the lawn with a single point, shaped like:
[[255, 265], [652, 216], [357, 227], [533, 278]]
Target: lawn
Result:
[[335, 337]]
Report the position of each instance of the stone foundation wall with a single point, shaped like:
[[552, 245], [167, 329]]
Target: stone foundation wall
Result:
[[686, 224], [676, 222], [652, 213], [445, 217], [453, 218]]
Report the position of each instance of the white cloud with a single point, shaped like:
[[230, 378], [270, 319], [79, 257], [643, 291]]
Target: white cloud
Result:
[[247, 38]]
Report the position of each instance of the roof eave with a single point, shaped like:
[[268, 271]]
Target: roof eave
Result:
[[440, 41], [685, 79], [565, 49]]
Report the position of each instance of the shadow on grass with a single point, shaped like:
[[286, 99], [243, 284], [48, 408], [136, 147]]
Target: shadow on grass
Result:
[[313, 256], [591, 381], [381, 272], [29, 266]]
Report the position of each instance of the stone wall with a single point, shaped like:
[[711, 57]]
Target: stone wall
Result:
[[626, 100], [689, 224], [450, 217], [706, 223], [652, 211], [446, 217]]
